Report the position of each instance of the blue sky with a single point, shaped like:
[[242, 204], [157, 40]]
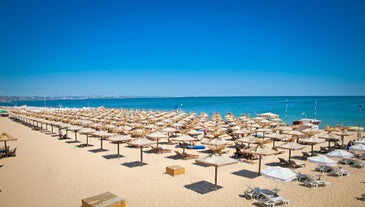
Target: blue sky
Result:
[[182, 48]]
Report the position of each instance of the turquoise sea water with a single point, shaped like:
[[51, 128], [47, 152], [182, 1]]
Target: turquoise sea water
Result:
[[330, 110]]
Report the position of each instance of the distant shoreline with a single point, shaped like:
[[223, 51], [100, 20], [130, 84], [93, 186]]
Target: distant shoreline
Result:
[[7, 99]]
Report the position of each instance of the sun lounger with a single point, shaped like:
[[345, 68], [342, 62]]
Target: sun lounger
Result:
[[252, 193], [239, 153], [271, 201], [358, 163], [283, 162], [323, 168], [312, 182], [346, 161], [187, 156], [337, 171], [301, 177], [294, 164], [12, 153], [179, 155], [160, 150], [279, 151]]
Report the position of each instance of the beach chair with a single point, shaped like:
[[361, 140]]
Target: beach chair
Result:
[[279, 151], [239, 153], [179, 155], [301, 177], [323, 168], [305, 155], [294, 164], [159, 150], [312, 182], [12, 153], [337, 171], [358, 163], [283, 162], [271, 201], [187, 156], [252, 193]]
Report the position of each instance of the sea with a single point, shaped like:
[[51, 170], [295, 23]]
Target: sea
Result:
[[331, 110]]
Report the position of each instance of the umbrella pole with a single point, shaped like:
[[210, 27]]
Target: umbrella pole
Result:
[[6, 148], [273, 144], [215, 179], [141, 155], [75, 136], [312, 150], [329, 145], [52, 129], [87, 140], [260, 165], [101, 142], [342, 141], [157, 143], [118, 149], [289, 154]]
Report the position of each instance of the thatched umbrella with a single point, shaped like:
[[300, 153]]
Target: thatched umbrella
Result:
[[120, 139], [141, 142], [5, 137], [312, 141], [291, 146], [249, 140], [342, 133], [330, 138], [75, 129], [275, 137], [156, 136], [217, 143], [87, 131], [216, 160], [184, 138], [102, 136], [261, 150]]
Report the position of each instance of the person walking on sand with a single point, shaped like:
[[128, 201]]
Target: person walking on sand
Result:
[[60, 133]]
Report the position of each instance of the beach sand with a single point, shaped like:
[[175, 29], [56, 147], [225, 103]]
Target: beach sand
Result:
[[50, 172]]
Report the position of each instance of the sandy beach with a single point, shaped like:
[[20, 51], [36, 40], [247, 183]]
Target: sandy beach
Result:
[[51, 172]]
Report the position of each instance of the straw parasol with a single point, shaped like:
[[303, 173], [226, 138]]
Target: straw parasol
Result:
[[330, 138], [249, 140], [120, 139], [216, 160], [75, 129], [184, 138], [156, 136], [141, 142], [87, 131], [275, 137], [342, 133], [261, 150], [217, 143], [102, 135], [291, 146], [312, 141], [5, 137]]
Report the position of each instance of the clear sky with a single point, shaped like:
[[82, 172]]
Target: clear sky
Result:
[[182, 47]]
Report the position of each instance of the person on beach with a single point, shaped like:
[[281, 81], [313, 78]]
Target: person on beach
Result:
[[349, 144], [60, 133]]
